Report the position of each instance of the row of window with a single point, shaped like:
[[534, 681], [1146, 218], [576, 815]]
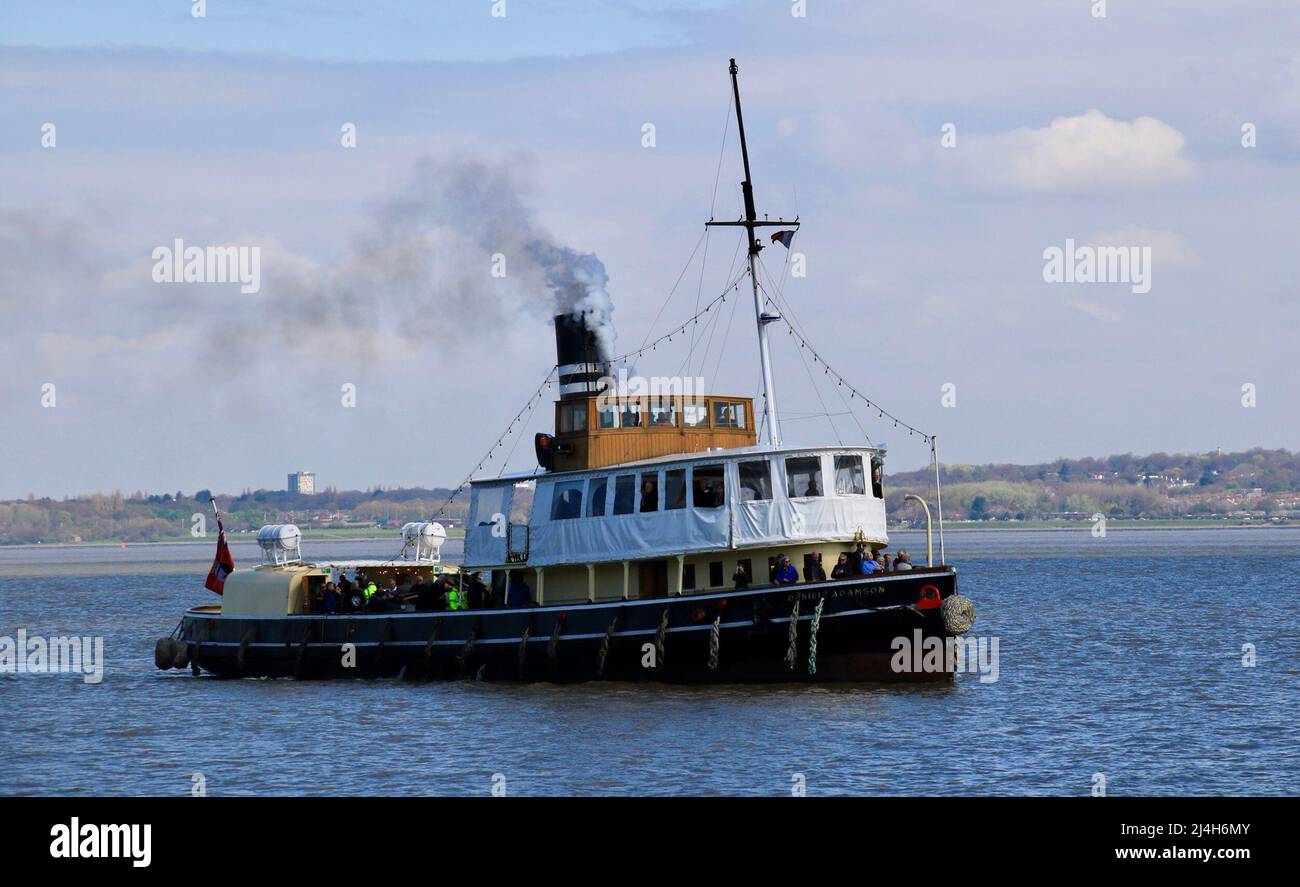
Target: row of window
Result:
[[655, 413], [705, 486]]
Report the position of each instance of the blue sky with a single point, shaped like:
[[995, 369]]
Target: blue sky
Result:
[[373, 31], [925, 262]]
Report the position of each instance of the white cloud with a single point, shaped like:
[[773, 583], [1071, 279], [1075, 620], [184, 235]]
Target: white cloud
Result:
[[1169, 251], [1088, 152]]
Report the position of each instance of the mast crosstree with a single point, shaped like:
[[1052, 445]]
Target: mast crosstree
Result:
[[750, 222]]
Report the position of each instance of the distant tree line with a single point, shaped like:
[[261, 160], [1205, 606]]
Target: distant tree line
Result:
[[1160, 485]]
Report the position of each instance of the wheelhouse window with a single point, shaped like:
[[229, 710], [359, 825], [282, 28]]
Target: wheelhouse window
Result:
[[708, 490], [877, 478], [803, 476], [573, 417], [631, 414], [625, 494], [695, 413], [674, 488], [849, 479], [650, 491], [728, 414], [755, 481], [608, 415], [663, 413], [491, 502], [596, 496], [566, 501]]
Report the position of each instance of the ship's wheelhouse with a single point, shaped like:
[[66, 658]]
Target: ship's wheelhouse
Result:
[[746, 498]]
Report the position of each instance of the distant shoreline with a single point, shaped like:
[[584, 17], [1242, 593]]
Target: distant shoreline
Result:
[[962, 527]]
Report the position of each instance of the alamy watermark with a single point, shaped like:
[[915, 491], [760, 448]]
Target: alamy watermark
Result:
[[1099, 264], [933, 655], [56, 655], [211, 264]]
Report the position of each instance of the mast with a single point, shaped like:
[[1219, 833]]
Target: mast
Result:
[[750, 222]]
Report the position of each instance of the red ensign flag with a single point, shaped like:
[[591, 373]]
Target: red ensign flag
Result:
[[222, 565]]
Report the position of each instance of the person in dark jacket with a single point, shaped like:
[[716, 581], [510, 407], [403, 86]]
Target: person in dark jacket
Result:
[[740, 578], [842, 569], [519, 594], [476, 593], [330, 599], [813, 571]]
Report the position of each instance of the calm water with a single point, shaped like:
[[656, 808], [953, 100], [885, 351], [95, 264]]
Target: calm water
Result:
[[1120, 655]]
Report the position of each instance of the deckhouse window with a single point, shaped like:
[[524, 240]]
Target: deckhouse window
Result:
[[694, 413], [708, 491], [849, 479], [755, 481], [803, 476], [631, 414], [650, 491], [877, 479], [608, 415], [663, 413], [625, 494], [573, 417], [567, 500], [596, 496], [728, 414], [675, 488]]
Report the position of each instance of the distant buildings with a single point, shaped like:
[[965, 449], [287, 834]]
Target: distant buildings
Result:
[[302, 482]]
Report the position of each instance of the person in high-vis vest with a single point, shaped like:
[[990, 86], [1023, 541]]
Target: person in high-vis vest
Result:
[[370, 591], [455, 600]]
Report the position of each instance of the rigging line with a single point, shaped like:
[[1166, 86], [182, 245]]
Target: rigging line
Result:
[[884, 413], [825, 412], [685, 268], [532, 407], [726, 335], [546, 383], [704, 358], [713, 204], [682, 327], [786, 309]]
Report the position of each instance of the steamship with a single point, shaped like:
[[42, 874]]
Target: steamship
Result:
[[649, 543]]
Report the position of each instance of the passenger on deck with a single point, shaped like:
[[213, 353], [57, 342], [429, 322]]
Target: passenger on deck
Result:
[[330, 599], [740, 578], [477, 594], [519, 594], [813, 571], [429, 597], [855, 560], [841, 570], [903, 561], [885, 565], [870, 564], [649, 495], [786, 574]]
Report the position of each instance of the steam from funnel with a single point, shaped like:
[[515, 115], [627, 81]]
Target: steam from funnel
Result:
[[578, 283]]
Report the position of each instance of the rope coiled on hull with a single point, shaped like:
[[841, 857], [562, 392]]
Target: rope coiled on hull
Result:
[[792, 645], [661, 637], [715, 641], [812, 636], [523, 652], [604, 648]]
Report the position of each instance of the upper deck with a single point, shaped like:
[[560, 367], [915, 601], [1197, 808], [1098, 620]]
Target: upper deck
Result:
[[723, 499]]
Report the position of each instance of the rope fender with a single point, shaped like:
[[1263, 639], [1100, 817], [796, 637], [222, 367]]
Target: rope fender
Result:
[[792, 645], [715, 640], [958, 614], [812, 636]]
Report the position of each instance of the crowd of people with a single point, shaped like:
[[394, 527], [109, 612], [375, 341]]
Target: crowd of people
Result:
[[862, 561], [445, 592]]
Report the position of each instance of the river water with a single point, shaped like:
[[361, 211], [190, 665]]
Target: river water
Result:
[[1120, 656]]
